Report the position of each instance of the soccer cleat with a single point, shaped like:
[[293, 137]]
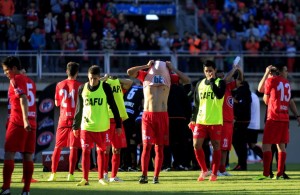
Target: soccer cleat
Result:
[[52, 177], [239, 168], [70, 177], [115, 179], [155, 180], [105, 177], [83, 182], [226, 174], [25, 193], [143, 179], [131, 169], [203, 174], [213, 177], [94, 169], [275, 177], [5, 192], [219, 173], [32, 180], [285, 176], [103, 182], [261, 177]]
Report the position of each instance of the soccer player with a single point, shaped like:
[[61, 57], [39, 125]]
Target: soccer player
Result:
[[155, 121], [115, 139], [92, 117], [133, 99], [277, 94], [21, 127], [65, 98], [207, 118], [228, 117]]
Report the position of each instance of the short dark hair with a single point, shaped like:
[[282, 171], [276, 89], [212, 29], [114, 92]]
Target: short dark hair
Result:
[[279, 66], [209, 63], [72, 68], [94, 70], [12, 61]]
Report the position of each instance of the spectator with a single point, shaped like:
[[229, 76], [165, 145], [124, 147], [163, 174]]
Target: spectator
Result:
[[110, 19], [109, 28], [54, 45], [86, 19], [152, 41], [252, 31], [164, 42], [57, 6], [32, 14], [110, 7], [37, 40], [263, 28], [205, 44], [108, 42], [66, 24], [142, 43], [94, 44], [233, 43], [122, 42], [289, 25], [176, 43], [252, 47], [230, 6], [291, 55], [7, 8], [24, 45], [74, 12], [219, 59], [50, 24], [12, 36], [98, 17]]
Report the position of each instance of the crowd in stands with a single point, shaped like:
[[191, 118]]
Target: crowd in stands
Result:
[[249, 26]]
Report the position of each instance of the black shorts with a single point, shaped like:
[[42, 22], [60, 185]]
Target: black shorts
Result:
[[252, 135]]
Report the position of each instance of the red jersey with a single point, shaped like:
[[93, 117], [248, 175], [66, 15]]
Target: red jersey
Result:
[[142, 74], [228, 102], [20, 85], [279, 90], [66, 97]]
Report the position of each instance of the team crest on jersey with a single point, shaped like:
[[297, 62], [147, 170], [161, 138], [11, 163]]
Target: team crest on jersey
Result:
[[46, 105], [230, 101], [45, 138]]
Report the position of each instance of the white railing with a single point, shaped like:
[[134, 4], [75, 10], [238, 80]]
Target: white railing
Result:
[[52, 63]]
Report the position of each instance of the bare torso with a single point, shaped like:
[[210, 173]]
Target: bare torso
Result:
[[156, 98]]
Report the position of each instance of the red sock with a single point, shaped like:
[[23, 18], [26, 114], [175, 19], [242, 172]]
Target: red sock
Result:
[[267, 159], [159, 157], [85, 162], [222, 168], [8, 169], [201, 159], [281, 163], [72, 160], [55, 159], [145, 158], [100, 163], [115, 163], [106, 161], [216, 161], [27, 174]]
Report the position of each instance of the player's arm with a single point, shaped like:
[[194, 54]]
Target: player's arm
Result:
[[24, 108], [133, 72], [113, 106], [184, 79], [261, 84], [219, 91], [230, 74], [78, 112], [126, 83], [294, 110]]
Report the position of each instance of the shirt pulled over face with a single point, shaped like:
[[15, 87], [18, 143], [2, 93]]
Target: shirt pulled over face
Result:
[[158, 75]]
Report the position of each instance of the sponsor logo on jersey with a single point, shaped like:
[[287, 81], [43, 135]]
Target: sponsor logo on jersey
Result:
[[46, 105]]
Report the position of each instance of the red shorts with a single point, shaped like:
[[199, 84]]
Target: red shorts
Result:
[[88, 138], [226, 136], [65, 138], [276, 132], [207, 131], [112, 138], [17, 139], [155, 128]]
